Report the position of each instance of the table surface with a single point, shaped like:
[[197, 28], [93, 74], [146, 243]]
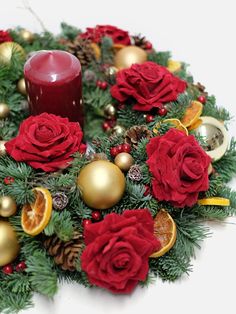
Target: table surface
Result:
[[202, 33]]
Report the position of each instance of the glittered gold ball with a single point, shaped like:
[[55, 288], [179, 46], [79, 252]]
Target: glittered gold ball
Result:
[[124, 161], [8, 48], [21, 86], [4, 111], [9, 246], [118, 130], [7, 206], [102, 184], [128, 56], [110, 111], [2, 148], [27, 36]]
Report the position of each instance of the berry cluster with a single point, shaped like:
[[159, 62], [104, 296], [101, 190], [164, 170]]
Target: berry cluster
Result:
[[122, 148], [9, 269]]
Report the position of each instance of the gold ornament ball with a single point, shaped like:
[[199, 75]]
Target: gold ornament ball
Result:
[[128, 56], [124, 161], [102, 184], [21, 86], [111, 72], [109, 111], [2, 148], [9, 246], [118, 130], [8, 48], [4, 111], [7, 206], [27, 36]]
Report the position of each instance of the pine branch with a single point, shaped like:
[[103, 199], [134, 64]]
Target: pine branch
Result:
[[160, 57], [210, 109]]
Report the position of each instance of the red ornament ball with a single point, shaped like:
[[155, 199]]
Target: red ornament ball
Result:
[[8, 180], [149, 118], [126, 148], [86, 222], [8, 269], [202, 99], [162, 111], [114, 151], [21, 266], [96, 215]]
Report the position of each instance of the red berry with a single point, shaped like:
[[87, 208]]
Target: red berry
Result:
[[121, 106], [9, 180], [119, 148], [162, 111], [96, 215], [112, 122], [86, 222], [106, 126], [21, 267], [114, 151], [99, 83], [8, 269], [126, 148], [149, 118], [148, 45], [103, 85], [202, 99]]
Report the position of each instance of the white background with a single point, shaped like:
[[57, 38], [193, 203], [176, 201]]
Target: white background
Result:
[[202, 33]]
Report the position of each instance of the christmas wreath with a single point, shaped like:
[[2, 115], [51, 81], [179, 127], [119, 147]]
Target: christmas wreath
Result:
[[122, 198]]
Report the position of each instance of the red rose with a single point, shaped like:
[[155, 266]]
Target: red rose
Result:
[[117, 35], [118, 248], [46, 142], [179, 167], [150, 84], [5, 36]]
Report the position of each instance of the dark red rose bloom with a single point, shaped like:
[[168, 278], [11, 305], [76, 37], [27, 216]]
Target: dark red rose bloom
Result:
[[5, 36], [179, 167], [149, 84], [117, 35], [117, 250], [46, 142]]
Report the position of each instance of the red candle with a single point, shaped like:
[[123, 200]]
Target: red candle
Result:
[[54, 84]]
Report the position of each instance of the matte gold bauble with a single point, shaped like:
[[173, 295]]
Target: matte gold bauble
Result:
[[27, 36], [7, 206], [9, 246], [21, 86], [101, 184], [110, 111], [8, 48], [118, 130], [128, 56], [124, 161], [4, 111], [2, 148]]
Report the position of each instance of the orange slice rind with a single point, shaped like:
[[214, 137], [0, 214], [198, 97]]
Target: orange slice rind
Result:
[[176, 124], [192, 113], [165, 230], [218, 201], [36, 216]]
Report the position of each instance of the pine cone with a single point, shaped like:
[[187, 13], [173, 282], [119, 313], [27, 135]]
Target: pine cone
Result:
[[139, 41], [201, 89], [136, 133], [65, 253], [83, 50], [59, 201], [135, 173]]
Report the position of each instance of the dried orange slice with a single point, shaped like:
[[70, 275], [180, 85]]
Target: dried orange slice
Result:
[[192, 113], [36, 216], [165, 230], [96, 50], [118, 47], [195, 125], [176, 124], [218, 201], [174, 66]]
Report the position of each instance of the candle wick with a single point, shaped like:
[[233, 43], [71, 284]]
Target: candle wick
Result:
[[27, 7]]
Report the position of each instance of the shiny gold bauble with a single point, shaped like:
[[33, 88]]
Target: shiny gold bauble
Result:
[[101, 184], [7, 206], [128, 56], [4, 111], [9, 246], [2, 148], [27, 36], [110, 72], [8, 48], [124, 161], [118, 130], [110, 111], [21, 86]]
